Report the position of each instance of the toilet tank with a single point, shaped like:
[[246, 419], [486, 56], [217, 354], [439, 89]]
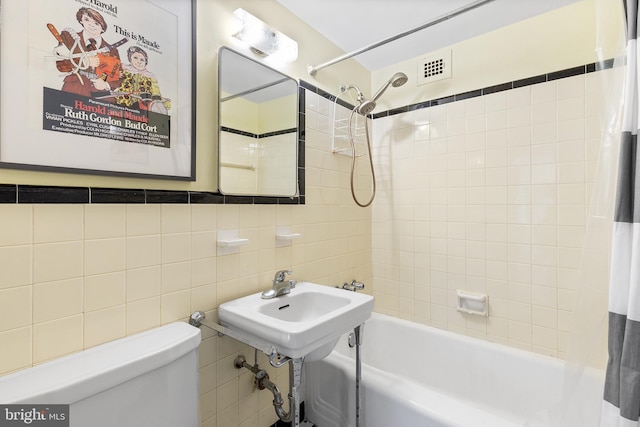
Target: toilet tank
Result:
[[148, 379]]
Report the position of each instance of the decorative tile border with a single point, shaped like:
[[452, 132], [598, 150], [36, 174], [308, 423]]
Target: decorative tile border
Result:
[[569, 72], [257, 135], [95, 195]]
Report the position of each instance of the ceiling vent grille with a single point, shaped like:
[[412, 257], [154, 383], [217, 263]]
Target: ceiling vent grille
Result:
[[436, 66]]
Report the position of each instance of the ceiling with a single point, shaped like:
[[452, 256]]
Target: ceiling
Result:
[[354, 24]]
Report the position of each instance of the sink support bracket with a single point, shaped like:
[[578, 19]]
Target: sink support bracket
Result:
[[198, 319]]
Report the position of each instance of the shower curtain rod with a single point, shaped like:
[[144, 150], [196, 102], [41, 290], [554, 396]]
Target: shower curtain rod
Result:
[[312, 70]]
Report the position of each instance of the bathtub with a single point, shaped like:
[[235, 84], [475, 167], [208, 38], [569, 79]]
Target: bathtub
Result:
[[418, 376]]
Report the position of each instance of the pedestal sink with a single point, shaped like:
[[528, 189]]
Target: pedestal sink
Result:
[[307, 322]]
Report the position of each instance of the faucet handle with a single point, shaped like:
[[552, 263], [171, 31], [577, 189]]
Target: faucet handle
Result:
[[353, 286], [279, 276], [357, 285]]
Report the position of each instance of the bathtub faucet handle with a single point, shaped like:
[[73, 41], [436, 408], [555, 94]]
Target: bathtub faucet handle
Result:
[[353, 286]]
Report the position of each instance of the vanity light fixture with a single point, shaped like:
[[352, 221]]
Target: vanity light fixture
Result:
[[264, 40]]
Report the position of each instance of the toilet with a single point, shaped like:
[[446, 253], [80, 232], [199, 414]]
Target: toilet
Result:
[[148, 379]]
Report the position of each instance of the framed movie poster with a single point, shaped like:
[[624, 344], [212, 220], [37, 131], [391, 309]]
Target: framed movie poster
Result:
[[98, 86]]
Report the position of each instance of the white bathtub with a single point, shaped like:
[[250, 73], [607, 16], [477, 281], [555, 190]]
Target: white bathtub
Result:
[[418, 376]]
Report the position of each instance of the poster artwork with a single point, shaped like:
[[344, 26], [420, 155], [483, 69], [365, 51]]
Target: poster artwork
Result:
[[104, 88]]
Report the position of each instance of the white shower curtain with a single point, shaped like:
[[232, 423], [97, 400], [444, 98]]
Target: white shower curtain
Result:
[[621, 406]]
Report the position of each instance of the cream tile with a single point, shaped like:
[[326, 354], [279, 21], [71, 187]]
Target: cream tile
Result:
[[546, 317], [57, 223], [208, 378], [544, 112], [571, 172], [544, 275], [17, 349], [544, 174], [204, 298], [569, 236], [207, 352], [519, 272], [104, 290], [15, 308], [143, 220], [175, 306], [544, 92], [208, 409], [176, 277], [545, 300], [57, 261], [545, 337], [546, 194], [520, 332], [57, 338], [544, 133], [571, 87], [16, 227], [203, 244], [104, 221], [55, 300], [571, 130], [544, 214], [571, 151], [229, 416], [227, 217], [143, 283], [104, 325], [228, 394], [544, 255], [176, 218], [203, 217], [572, 215], [496, 138], [104, 256], [16, 265], [143, 251], [143, 314], [176, 247], [544, 235], [203, 271]]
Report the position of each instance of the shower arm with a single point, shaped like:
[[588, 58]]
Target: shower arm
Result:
[[313, 70]]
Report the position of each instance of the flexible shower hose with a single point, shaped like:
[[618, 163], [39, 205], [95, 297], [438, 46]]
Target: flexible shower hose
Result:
[[353, 161]]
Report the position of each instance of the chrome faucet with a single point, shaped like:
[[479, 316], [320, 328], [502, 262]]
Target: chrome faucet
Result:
[[353, 286], [280, 287]]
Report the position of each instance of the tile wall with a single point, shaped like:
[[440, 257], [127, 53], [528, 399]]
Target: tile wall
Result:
[[490, 195], [78, 275]]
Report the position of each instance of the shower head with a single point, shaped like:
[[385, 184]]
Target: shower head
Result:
[[397, 80]]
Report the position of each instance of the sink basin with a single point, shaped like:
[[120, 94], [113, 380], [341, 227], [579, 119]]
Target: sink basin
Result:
[[304, 323]]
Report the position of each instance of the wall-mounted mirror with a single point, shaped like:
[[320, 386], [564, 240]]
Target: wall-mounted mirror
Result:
[[258, 116]]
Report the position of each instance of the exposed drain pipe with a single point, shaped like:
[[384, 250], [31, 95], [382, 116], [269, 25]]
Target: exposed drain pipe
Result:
[[262, 381]]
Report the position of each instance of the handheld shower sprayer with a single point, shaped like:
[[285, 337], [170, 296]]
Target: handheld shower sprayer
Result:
[[364, 108], [367, 106]]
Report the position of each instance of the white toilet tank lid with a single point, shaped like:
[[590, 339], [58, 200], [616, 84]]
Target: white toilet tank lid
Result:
[[79, 375]]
